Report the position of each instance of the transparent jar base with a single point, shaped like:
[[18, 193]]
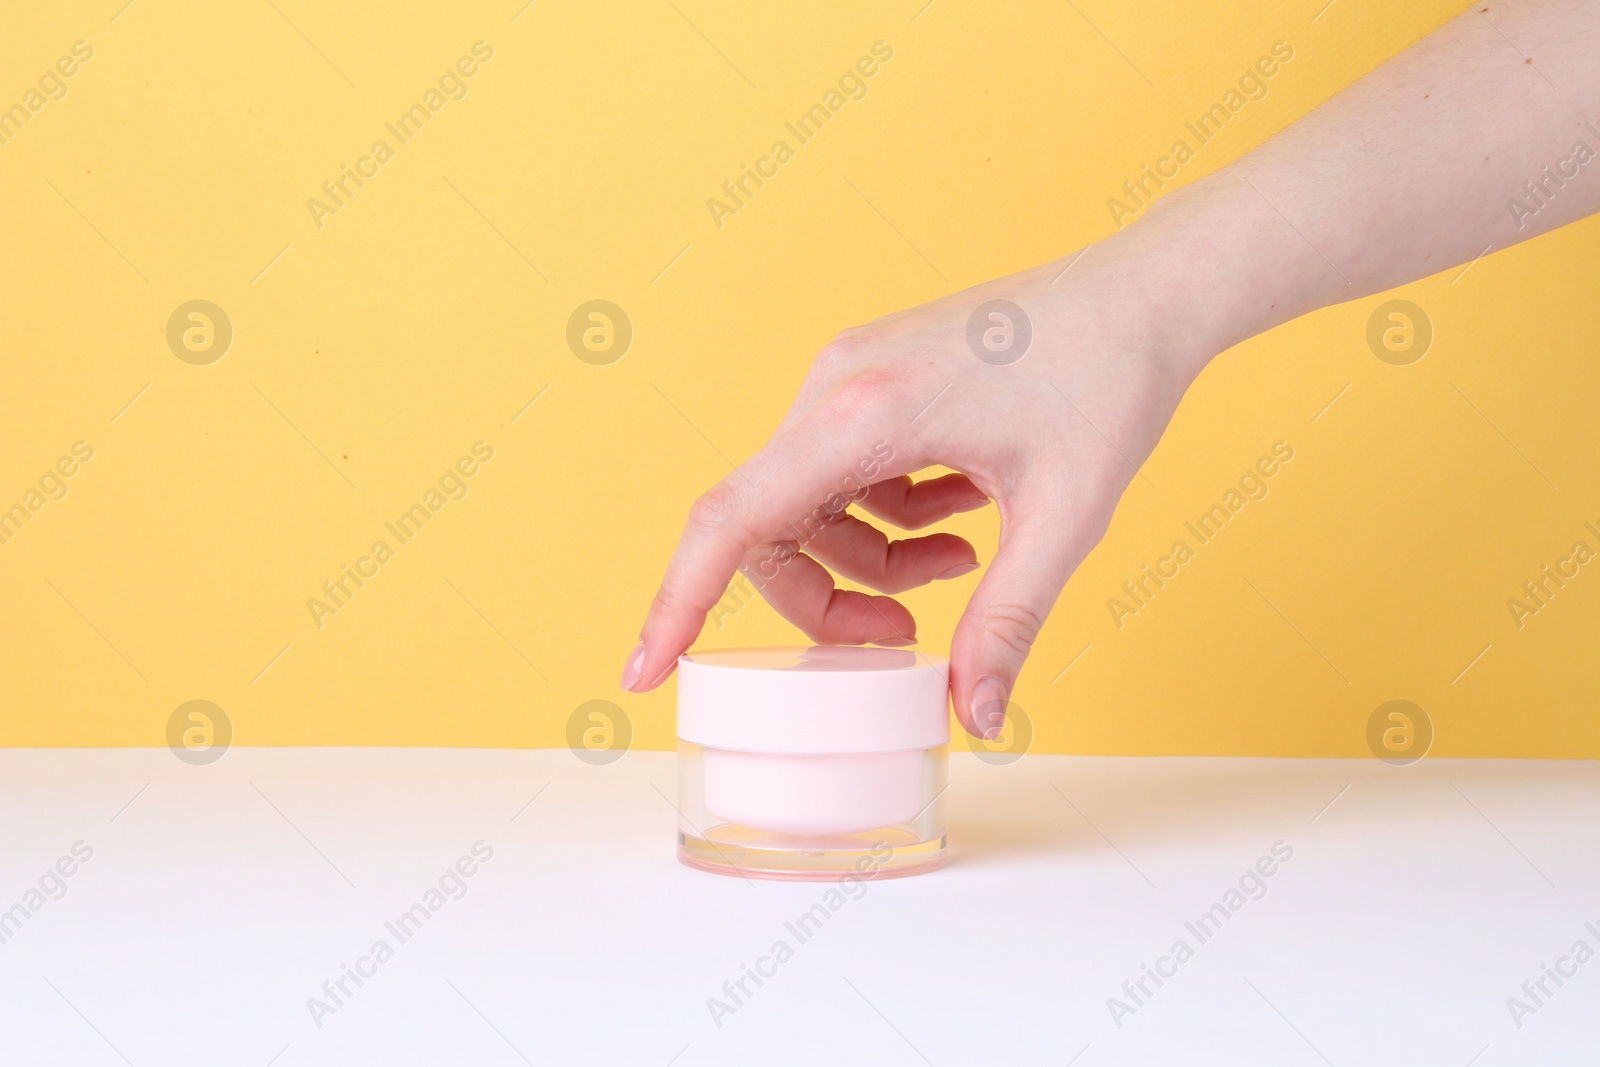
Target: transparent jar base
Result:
[[812, 817], [889, 854]]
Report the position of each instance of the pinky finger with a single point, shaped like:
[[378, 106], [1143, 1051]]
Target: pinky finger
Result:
[[913, 505]]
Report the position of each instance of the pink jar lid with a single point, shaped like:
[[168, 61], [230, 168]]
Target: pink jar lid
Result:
[[824, 699]]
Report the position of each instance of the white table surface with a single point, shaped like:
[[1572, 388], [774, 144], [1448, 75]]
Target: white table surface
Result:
[[219, 899]]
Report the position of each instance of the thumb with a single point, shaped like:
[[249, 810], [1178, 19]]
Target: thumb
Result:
[[1038, 552]]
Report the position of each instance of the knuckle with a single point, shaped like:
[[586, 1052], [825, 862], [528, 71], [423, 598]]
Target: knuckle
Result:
[[864, 396], [714, 511], [1013, 626], [837, 355], [670, 602]]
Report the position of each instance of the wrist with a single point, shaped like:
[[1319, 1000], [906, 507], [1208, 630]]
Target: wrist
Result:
[[1209, 266]]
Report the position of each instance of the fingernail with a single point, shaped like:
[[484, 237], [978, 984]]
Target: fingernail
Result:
[[955, 572], [635, 667], [973, 504], [989, 706], [658, 679]]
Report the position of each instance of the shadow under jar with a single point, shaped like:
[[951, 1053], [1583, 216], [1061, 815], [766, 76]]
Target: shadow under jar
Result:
[[812, 764]]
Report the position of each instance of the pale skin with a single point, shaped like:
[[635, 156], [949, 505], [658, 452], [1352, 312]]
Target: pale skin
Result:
[[1405, 174]]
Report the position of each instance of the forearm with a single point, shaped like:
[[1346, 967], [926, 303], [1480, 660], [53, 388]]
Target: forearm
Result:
[[1459, 145]]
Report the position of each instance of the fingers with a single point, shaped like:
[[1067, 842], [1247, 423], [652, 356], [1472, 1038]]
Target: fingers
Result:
[[862, 553], [1038, 552], [913, 505], [802, 591], [760, 502]]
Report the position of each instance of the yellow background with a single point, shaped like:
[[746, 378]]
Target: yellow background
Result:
[[416, 322]]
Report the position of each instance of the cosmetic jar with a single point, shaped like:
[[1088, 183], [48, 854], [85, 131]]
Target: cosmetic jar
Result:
[[812, 764]]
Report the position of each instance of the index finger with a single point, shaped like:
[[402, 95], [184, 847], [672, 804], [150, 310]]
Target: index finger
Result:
[[792, 484]]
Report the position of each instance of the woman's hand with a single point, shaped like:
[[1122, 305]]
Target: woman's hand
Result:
[[1053, 437], [1046, 411]]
